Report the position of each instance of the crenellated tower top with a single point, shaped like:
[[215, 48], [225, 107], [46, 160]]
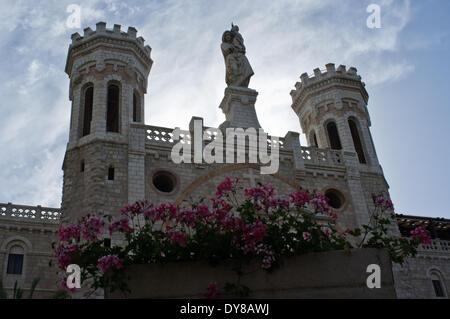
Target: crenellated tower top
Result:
[[325, 79], [108, 46], [332, 108]]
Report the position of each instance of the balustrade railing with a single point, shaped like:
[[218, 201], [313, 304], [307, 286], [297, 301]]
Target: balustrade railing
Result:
[[437, 245], [164, 136], [24, 212], [161, 135], [321, 156]]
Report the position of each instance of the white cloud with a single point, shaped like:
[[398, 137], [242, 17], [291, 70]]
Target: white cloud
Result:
[[283, 39]]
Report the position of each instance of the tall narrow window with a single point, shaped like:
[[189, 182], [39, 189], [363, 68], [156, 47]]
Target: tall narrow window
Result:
[[87, 111], [111, 173], [357, 141], [136, 108], [333, 136], [112, 113]]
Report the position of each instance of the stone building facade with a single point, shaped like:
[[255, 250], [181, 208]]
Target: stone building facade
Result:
[[114, 158]]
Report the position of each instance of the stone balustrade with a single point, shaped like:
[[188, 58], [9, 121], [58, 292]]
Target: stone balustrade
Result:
[[163, 136], [29, 213], [319, 156], [437, 245], [160, 135]]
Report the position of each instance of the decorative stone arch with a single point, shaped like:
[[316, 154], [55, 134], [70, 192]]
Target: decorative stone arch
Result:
[[6, 247], [360, 108], [84, 63], [225, 169], [123, 60], [326, 119], [10, 241], [112, 78]]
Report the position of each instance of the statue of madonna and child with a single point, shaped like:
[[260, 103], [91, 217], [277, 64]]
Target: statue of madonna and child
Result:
[[237, 68]]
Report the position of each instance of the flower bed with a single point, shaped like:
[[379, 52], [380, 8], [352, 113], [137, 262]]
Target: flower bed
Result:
[[256, 226]]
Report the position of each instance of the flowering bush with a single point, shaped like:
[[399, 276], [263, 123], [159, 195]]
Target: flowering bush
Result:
[[376, 233], [262, 225]]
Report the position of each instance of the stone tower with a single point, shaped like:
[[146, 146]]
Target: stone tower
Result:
[[332, 109], [108, 71]]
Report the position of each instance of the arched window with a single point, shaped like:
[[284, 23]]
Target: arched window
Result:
[[333, 136], [357, 141], [438, 286], [87, 110], [15, 260], [112, 113], [136, 108], [313, 139]]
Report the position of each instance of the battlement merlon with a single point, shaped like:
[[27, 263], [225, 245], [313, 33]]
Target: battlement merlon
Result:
[[111, 38], [323, 80]]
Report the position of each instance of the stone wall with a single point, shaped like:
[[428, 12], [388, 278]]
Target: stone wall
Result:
[[414, 278], [335, 274], [31, 230]]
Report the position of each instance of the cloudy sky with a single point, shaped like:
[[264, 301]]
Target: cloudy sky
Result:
[[405, 65]]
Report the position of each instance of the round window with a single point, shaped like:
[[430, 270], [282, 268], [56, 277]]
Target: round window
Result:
[[336, 199], [164, 181]]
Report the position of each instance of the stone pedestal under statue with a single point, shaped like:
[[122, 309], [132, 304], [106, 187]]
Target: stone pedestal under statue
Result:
[[238, 105]]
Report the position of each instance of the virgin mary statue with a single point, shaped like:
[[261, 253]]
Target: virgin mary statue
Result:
[[237, 68]]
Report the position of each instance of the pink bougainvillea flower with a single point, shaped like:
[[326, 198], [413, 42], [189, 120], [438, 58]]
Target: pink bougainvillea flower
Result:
[[307, 236], [109, 262], [300, 199], [384, 204], [420, 233], [227, 186], [63, 255], [69, 233], [319, 203], [122, 225], [92, 228]]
